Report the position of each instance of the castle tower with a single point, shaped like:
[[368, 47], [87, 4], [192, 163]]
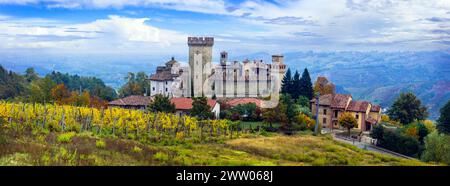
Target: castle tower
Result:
[[278, 69], [200, 58]]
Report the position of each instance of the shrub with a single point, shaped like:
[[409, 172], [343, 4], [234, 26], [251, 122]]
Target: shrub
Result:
[[437, 148], [65, 137], [161, 156], [136, 149], [398, 142], [377, 132], [100, 144]]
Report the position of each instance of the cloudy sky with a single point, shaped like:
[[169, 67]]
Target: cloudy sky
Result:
[[245, 26]]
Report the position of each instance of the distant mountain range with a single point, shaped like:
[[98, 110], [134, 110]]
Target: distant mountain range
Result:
[[374, 76]]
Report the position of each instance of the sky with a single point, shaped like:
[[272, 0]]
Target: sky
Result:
[[161, 27]]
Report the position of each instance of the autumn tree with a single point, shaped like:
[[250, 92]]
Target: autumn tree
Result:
[[200, 108], [347, 121], [407, 108], [270, 115], [161, 103], [443, 123], [323, 86], [60, 94], [40, 91]]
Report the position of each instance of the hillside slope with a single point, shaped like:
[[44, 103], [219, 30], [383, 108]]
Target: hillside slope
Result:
[[84, 149]]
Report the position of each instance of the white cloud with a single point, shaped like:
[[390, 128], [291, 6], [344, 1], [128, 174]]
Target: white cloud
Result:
[[109, 34]]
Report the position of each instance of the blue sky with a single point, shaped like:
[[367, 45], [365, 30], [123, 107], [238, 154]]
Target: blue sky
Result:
[[246, 26]]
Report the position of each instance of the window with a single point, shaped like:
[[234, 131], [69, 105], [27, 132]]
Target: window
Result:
[[324, 121], [166, 82], [335, 113], [166, 89], [153, 88], [357, 116], [324, 111]]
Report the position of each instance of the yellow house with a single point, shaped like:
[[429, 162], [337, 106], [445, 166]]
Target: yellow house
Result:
[[331, 107]]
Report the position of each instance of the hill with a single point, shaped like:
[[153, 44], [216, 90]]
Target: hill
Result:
[[84, 149]]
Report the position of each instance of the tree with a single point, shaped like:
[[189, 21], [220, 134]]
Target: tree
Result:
[[347, 121], [303, 101], [377, 132], [11, 84], [40, 91], [437, 148], [31, 75], [286, 82], [295, 89], [60, 94], [137, 84], [161, 103], [443, 123], [286, 106], [407, 108], [305, 87], [200, 108], [270, 115], [323, 86]]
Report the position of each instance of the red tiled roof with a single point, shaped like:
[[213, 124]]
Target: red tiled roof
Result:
[[340, 101], [186, 103], [132, 101], [358, 106], [375, 108], [324, 99], [237, 101]]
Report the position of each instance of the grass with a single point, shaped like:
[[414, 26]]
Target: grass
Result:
[[255, 124], [38, 148]]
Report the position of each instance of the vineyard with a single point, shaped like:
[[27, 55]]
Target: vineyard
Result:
[[123, 123]]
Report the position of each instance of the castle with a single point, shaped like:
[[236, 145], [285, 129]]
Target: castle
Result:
[[223, 80]]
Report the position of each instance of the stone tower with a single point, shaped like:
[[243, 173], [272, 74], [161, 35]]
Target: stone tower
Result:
[[278, 69], [200, 61]]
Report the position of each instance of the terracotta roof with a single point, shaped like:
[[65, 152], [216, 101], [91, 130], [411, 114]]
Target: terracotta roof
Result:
[[358, 106], [186, 103], [375, 108], [237, 101], [340, 101], [164, 75], [324, 99], [132, 101]]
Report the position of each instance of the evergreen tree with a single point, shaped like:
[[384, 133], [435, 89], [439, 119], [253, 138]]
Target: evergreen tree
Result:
[[200, 108], [162, 103], [295, 90], [443, 123], [305, 87], [286, 82], [407, 108]]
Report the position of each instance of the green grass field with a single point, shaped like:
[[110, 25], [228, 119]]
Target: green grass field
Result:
[[30, 148]]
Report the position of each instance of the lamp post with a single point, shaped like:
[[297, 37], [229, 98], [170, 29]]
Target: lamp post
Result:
[[316, 127]]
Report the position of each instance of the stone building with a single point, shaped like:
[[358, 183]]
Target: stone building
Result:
[[331, 107], [166, 78]]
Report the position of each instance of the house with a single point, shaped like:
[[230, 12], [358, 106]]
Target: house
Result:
[[184, 105], [132, 102], [331, 107], [242, 101], [166, 78]]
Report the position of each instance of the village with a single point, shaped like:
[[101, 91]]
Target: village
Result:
[[247, 83]]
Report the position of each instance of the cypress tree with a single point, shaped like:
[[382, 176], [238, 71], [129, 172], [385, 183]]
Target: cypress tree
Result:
[[295, 89], [305, 87], [286, 82]]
